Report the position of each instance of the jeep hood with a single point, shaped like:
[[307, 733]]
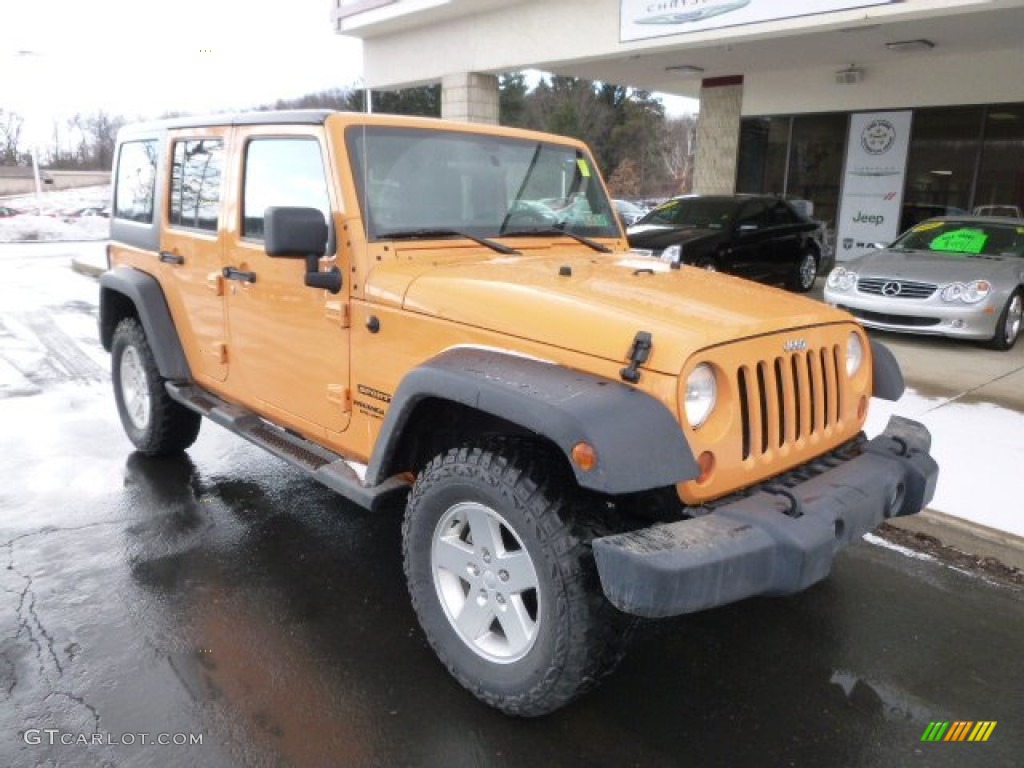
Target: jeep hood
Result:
[[603, 303]]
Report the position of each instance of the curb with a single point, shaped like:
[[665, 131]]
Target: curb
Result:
[[87, 268], [968, 537]]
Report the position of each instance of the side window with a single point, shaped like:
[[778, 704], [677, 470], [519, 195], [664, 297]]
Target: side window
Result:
[[283, 171], [136, 181], [752, 217], [195, 183], [781, 215]]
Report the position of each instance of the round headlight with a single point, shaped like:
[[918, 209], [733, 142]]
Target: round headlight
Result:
[[854, 354], [701, 391], [953, 292], [841, 279], [673, 254]]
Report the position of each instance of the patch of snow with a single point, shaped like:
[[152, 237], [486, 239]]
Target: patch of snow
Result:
[[30, 226], [878, 541], [979, 452]]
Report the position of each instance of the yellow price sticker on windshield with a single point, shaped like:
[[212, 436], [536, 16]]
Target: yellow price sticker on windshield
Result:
[[928, 225], [584, 168]]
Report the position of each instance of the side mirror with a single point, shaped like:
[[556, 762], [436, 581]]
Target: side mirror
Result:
[[296, 233]]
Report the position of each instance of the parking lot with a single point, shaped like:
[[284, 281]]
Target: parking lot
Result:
[[222, 595]]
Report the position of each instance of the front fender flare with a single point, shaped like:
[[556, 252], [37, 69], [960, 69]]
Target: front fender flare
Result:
[[886, 376], [639, 442]]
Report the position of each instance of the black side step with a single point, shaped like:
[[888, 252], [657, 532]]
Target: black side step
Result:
[[327, 467]]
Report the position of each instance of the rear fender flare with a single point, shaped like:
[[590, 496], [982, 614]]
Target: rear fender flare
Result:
[[150, 305]]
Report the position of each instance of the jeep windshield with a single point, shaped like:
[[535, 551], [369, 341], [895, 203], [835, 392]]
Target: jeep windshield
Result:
[[411, 180]]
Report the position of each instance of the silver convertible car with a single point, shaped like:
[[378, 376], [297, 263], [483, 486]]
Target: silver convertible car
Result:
[[958, 276]]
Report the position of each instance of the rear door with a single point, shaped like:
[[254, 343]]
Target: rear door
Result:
[[787, 238], [750, 251], [191, 247], [289, 342]]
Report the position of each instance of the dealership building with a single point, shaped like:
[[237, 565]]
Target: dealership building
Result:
[[878, 112]]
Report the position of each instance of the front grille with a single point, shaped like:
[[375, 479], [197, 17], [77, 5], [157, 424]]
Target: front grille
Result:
[[897, 289], [909, 321], [789, 398]]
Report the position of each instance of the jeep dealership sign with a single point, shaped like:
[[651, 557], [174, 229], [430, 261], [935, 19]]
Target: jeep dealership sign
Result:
[[641, 19], [876, 162]]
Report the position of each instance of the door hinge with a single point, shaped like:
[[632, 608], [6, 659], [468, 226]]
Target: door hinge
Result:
[[339, 395], [218, 351], [215, 283], [337, 312]]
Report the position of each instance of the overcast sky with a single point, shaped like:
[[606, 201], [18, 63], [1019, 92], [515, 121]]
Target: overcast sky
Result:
[[142, 58]]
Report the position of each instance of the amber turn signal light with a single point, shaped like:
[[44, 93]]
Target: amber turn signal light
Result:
[[706, 465], [584, 455]]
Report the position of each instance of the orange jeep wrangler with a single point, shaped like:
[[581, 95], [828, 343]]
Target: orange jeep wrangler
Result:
[[581, 435]]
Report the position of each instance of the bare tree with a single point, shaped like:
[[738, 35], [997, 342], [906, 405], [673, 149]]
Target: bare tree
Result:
[[101, 133], [678, 149], [11, 124]]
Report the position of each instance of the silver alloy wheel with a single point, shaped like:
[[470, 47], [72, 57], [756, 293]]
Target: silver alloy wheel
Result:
[[486, 582], [1013, 318], [808, 270], [134, 388]]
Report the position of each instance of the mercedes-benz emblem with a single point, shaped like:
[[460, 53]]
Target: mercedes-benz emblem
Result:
[[892, 289]]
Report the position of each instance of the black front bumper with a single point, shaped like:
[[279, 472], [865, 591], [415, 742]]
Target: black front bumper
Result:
[[768, 543]]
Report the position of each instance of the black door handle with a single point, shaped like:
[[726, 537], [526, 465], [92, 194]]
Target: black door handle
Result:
[[231, 273], [171, 258]]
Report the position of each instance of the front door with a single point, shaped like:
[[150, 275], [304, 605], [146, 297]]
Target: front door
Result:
[[289, 344]]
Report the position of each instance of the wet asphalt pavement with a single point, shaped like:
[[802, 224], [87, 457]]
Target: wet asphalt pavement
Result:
[[222, 594]]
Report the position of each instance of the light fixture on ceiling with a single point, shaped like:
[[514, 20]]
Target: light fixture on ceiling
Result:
[[941, 173], [907, 46], [685, 70], [849, 76], [1002, 116]]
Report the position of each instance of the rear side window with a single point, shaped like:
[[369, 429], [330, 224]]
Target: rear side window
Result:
[[136, 181], [195, 183], [282, 172]]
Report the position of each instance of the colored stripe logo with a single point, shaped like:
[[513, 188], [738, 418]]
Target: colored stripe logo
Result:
[[960, 730]]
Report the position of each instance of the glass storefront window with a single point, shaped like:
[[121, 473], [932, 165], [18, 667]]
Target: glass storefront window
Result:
[[1001, 175], [816, 162], [764, 145], [940, 167]]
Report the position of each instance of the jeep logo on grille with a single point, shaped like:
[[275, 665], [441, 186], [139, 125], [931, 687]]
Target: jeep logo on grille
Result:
[[794, 345]]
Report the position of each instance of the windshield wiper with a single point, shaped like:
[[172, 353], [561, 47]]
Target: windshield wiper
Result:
[[555, 231], [416, 234]]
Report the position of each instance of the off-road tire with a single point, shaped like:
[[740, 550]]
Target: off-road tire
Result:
[[803, 277], [580, 637], [1005, 337], [168, 427]]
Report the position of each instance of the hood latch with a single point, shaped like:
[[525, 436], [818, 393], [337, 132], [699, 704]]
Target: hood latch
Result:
[[639, 351]]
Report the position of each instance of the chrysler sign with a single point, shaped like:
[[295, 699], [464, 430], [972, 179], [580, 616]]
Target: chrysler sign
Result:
[[641, 19]]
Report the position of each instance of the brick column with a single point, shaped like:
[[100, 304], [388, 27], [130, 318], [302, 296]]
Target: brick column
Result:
[[718, 136], [471, 97]]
